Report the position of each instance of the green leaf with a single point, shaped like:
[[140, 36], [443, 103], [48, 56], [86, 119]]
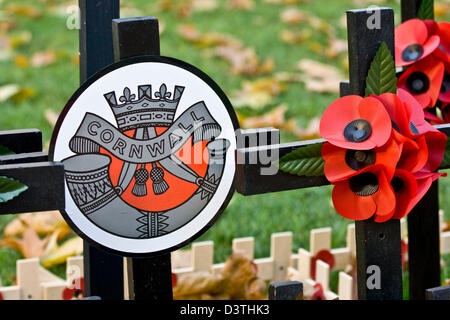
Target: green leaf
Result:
[[446, 160], [304, 161], [5, 151], [381, 77], [10, 188], [426, 10]]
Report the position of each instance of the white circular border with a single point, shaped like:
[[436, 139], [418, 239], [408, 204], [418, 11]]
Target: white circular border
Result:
[[131, 76]]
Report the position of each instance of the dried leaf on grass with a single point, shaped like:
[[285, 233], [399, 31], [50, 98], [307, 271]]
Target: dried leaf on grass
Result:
[[15, 93], [51, 116], [43, 223], [308, 133], [30, 245], [293, 16], [295, 37], [43, 58], [319, 77], [287, 1], [441, 9], [24, 10], [243, 60], [238, 280], [275, 119], [257, 94], [241, 4], [59, 254]]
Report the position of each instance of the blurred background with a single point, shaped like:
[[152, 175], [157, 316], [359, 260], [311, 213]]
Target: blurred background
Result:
[[279, 62]]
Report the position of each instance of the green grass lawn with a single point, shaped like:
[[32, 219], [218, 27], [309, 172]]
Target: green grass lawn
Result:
[[259, 216]]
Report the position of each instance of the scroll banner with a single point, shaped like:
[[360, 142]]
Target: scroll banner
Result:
[[95, 132]]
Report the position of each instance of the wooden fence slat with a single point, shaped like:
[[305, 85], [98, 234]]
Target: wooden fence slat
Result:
[[28, 279], [304, 263], [244, 245], [320, 239], [323, 274], [345, 287], [280, 252], [202, 256]]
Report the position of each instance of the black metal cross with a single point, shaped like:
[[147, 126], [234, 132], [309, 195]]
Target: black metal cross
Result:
[[377, 243]]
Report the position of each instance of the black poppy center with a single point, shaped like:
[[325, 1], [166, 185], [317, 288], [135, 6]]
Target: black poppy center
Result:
[[358, 130], [364, 184], [397, 184], [412, 52], [445, 83], [418, 83], [359, 159]]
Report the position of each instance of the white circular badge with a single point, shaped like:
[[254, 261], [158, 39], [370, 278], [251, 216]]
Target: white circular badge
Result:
[[148, 146]]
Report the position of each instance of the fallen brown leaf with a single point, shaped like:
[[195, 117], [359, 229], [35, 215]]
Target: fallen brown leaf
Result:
[[43, 223], [30, 245], [43, 58], [59, 254], [258, 94], [24, 10], [319, 77], [295, 37], [275, 119], [241, 4], [293, 16]]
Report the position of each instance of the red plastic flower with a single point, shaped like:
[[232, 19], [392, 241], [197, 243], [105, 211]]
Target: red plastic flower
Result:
[[405, 188], [368, 193], [75, 290], [342, 163], [444, 94], [413, 148], [413, 42], [435, 141], [444, 34], [356, 123], [423, 80]]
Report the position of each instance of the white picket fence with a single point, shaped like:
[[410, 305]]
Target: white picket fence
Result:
[[34, 282]]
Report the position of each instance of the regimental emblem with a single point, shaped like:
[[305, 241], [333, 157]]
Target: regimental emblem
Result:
[[151, 171]]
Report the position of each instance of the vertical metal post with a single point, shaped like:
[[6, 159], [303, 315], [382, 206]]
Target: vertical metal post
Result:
[[378, 245], [103, 272]]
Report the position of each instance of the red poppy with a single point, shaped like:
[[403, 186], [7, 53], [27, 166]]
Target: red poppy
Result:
[[405, 188], [413, 148], [444, 34], [444, 94], [435, 141], [423, 80], [413, 42], [357, 123], [424, 180], [368, 193], [324, 255], [341, 163], [75, 290]]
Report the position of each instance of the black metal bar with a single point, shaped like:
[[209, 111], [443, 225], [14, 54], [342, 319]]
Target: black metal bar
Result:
[[438, 293], [22, 141], [250, 181], [290, 290], [410, 8], [149, 278], [423, 220], [423, 244], [45, 181], [30, 157], [378, 245], [103, 271]]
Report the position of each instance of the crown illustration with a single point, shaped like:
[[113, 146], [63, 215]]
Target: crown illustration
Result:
[[145, 111]]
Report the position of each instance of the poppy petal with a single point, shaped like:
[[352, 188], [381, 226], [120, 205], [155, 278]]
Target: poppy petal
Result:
[[423, 80], [336, 167], [409, 33], [363, 119], [405, 188], [444, 34], [349, 205], [384, 199]]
